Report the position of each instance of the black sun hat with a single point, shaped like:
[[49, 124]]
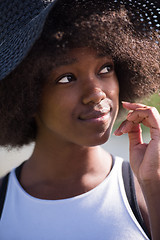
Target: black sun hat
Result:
[[22, 21]]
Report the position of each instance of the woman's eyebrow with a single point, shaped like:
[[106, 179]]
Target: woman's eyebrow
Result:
[[65, 61], [102, 55]]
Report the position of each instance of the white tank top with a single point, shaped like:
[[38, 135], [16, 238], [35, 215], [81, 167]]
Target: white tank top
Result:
[[103, 213]]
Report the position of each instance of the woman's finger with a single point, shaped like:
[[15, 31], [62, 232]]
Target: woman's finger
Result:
[[148, 116], [118, 131], [133, 106], [134, 131]]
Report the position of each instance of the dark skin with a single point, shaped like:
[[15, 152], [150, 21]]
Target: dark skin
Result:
[[78, 108], [87, 99]]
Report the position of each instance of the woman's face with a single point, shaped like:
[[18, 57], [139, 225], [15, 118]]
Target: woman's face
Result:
[[80, 103]]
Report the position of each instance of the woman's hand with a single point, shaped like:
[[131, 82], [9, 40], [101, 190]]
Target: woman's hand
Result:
[[144, 158]]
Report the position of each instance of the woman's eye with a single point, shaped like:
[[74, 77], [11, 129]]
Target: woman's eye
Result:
[[106, 69], [66, 79]]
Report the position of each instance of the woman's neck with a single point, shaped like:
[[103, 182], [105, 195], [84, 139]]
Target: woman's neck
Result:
[[81, 168]]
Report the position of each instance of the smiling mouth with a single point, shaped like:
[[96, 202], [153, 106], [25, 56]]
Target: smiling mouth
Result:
[[95, 115]]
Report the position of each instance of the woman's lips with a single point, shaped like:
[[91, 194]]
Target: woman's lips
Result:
[[95, 116]]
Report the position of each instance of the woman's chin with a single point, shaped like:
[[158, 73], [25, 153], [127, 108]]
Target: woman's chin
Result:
[[98, 140]]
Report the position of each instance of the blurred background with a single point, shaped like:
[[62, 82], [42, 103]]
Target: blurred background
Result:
[[118, 146]]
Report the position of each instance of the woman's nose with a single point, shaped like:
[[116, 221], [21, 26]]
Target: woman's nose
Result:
[[93, 95]]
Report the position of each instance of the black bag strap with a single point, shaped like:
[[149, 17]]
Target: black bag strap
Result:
[[131, 194], [3, 187], [3, 190]]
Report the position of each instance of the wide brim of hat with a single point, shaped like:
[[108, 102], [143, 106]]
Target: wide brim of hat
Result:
[[16, 47], [16, 43]]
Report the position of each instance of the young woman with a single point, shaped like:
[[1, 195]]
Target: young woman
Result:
[[65, 95]]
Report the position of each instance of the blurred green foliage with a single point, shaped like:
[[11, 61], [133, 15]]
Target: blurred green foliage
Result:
[[154, 101]]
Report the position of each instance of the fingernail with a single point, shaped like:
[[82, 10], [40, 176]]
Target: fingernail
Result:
[[125, 102], [115, 132]]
